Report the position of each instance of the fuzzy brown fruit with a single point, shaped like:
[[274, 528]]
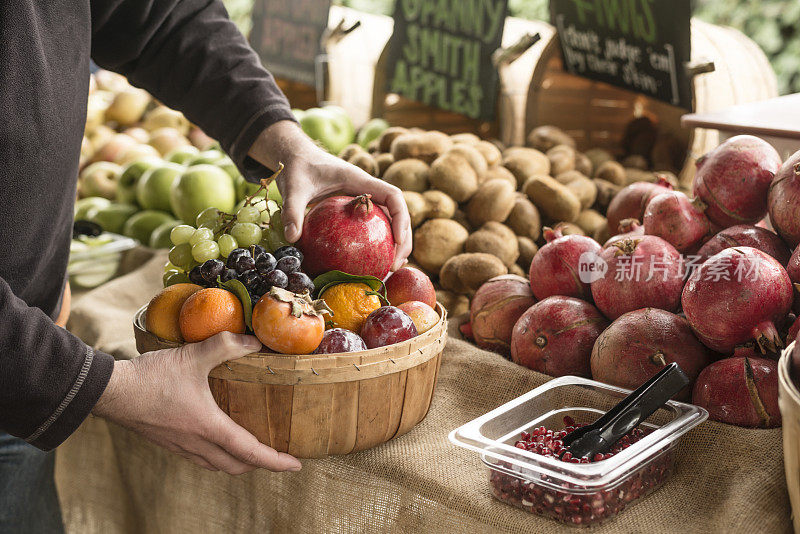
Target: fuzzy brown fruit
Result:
[[436, 241], [465, 273], [493, 201], [408, 174], [454, 175], [497, 239]]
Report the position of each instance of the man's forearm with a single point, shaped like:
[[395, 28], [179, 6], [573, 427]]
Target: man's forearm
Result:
[[193, 58], [279, 142]]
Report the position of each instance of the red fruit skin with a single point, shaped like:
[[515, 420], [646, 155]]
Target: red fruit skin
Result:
[[734, 179], [793, 331], [722, 389], [495, 308], [793, 268], [556, 336], [640, 343], [628, 228], [349, 234], [726, 313], [794, 367], [554, 269], [632, 200], [409, 283], [677, 219], [783, 200], [620, 290], [745, 235], [337, 340], [466, 330], [386, 326]]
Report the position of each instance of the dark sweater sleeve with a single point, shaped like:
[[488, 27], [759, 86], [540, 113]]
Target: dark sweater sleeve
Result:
[[44, 399], [190, 56]]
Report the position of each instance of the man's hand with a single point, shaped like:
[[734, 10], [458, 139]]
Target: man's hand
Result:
[[164, 396], [312, 174]]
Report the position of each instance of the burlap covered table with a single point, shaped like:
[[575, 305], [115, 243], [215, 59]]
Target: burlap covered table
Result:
[[727, 479]]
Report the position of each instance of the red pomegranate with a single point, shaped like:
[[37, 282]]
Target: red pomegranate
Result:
[[678, 220], [793, 268], [348, 234], [640, 343], [641, 272], [738, 295], [745, 235], [495, 308], [555, 268], [632, 200], [627, 228], [740, 391], [734, 178], [783, 200], [556, 336]]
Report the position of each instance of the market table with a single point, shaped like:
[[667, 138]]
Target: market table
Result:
[[110, 480]]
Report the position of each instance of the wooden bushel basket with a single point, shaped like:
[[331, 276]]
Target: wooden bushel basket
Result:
[[315, 405], [789, 402]]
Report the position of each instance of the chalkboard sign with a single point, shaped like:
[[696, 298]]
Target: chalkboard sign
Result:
[[641, 45], [440, 54], [286, 34]]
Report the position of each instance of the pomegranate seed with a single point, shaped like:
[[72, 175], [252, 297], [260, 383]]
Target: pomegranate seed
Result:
[[525, 436], [569, 421]]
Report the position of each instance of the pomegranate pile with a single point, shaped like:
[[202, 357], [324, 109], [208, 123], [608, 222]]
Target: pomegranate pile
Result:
[[572, 504], [707, 276]]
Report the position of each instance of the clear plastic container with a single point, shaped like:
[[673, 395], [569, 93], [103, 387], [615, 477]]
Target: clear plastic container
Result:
[[95, 260], [574, 494]]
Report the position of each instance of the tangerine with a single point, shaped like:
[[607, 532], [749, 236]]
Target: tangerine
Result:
[[211, 311], [163, 312], [351, 303]]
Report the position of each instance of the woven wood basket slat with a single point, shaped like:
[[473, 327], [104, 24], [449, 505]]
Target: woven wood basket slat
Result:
[[313, 405]]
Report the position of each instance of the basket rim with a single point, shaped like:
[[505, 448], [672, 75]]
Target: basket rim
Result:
[[784, 378]]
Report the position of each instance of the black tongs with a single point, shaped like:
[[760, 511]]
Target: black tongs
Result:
[[601, 435]]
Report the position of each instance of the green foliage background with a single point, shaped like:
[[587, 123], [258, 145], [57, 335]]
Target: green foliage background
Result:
[[773, 24]]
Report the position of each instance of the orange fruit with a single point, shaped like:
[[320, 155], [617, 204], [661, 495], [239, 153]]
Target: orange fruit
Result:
[[164, 310], [351, 303], [288, 323], [211, 311]]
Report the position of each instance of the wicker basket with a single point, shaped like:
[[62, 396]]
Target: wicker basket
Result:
[[312, 406], [789, 402], [596, 113]]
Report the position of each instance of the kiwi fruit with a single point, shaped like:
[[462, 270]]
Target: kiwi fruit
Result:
[[408, 174], [454, 175]]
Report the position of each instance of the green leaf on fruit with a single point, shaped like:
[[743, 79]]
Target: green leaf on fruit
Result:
[[238, 289], [332, 278]]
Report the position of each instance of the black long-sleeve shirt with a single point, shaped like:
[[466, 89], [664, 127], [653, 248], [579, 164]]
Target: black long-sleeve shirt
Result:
[[185, 52]]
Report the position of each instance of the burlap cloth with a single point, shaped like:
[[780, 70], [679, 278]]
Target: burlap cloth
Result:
[[110, 480]]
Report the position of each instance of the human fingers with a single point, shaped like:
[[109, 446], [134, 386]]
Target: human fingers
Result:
[[244, 446], [219, 348], [296, 195]]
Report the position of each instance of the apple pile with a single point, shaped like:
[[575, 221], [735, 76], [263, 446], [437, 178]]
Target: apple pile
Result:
[[478, 207], [145, 168], [704, 282]]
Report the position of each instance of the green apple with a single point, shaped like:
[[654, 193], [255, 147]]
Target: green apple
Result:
[[131, 173], [298, 113], [201, 187], [152, 191], [113, 217], [182, 155], [328, 128], [371, 131], [274, 194], [343, 119], [99, 180], [141, 225], [160, 236], [227, 165], [207, 156], [83, 206]]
